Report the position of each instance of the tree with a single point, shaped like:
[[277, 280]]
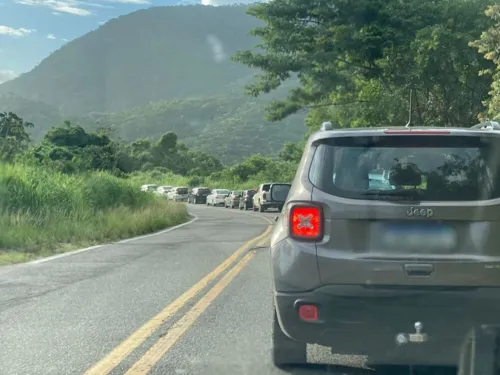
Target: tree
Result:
[[14, 137], [364, 57], [14, 126], [489, 45]]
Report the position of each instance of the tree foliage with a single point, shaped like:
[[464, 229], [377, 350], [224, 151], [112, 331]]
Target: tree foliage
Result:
[[362, 59], [489, 45], [14, 135], [71, 149]]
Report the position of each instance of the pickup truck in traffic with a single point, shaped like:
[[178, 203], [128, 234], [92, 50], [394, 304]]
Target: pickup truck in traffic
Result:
[[270, 195]]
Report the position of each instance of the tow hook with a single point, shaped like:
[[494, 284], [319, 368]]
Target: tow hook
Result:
[[417, 338]]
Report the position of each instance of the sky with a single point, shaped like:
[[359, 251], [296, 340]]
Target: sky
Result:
[[32, 29]]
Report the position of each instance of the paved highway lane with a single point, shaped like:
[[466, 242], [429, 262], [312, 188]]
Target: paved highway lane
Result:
[[194, 300]]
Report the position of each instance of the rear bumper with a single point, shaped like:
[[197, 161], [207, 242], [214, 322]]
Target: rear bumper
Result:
[[357, 320]]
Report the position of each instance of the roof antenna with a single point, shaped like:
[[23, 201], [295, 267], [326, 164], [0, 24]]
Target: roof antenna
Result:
[[409, 115]]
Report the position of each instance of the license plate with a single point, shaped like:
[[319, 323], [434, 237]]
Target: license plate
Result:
[[419, 237]]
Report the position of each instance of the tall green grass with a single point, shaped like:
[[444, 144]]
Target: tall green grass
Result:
[[44, 212]]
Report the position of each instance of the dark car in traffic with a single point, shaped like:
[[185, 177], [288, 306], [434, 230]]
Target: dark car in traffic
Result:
[[198, 195]]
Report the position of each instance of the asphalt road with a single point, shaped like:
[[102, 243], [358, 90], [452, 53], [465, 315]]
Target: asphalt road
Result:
[[193, 300]]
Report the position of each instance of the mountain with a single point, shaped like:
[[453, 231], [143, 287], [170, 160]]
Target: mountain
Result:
[[148, 55], [157, 70]]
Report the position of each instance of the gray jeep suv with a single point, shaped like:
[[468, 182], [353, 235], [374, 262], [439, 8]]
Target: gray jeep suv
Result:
[[386, 246]]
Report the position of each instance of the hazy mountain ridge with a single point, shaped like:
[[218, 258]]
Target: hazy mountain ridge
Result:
[[148, 55]]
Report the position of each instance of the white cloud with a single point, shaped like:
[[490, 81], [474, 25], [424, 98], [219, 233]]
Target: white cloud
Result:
[[217, 48], [76, 7], [69, 6], [51, 36], [56, 13], [6, 30], [64, 39], [101, 23], [95, 5], [6, 75]]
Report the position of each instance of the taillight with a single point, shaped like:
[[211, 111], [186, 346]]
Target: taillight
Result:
[[306, 222], [234, 196], [217, 196]]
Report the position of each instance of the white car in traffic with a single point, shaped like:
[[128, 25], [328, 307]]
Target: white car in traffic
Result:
[[217, 197], [163, 191]]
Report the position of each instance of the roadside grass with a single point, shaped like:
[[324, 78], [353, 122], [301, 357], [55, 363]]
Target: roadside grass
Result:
[[44, 212]]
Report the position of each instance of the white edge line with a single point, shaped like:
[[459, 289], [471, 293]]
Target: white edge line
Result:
[[62, 255]]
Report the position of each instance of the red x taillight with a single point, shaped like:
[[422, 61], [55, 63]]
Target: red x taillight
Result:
[[309, 313], [306, 222]]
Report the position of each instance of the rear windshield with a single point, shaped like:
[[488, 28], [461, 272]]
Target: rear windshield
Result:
[[182, 190], [250, 193], [222, 191], [279, 192], [429, 168], [204, 191], [152, 187]]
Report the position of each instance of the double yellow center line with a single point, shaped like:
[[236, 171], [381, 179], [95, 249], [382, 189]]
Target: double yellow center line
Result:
[[158, 350]]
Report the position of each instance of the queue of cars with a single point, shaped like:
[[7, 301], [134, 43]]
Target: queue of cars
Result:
[[266, 196]]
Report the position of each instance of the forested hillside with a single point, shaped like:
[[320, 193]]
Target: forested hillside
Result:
[[229, 126]]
